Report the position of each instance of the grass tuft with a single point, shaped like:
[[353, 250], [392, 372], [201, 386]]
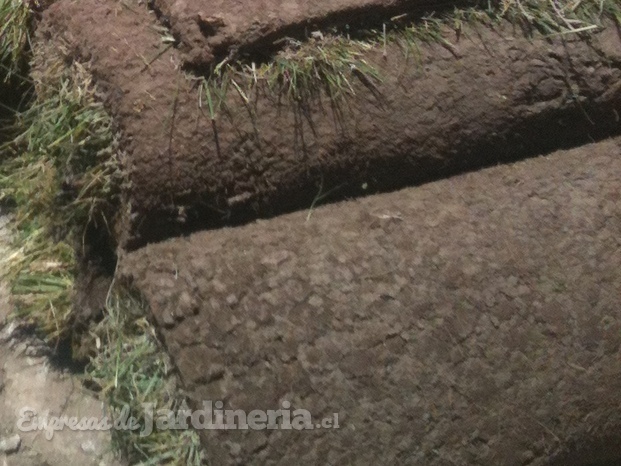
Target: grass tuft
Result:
[[545, 17], [15, 19], [299, 74], [553, 17], [61, 174], [131, 369], [330, 63]]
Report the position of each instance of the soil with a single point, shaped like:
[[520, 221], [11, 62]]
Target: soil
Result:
[[473, 320], [494, 96], [31, 375]]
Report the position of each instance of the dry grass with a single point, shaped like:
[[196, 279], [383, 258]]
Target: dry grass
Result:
[[15, 19], [131, 368], [330, 62], [61, 175]]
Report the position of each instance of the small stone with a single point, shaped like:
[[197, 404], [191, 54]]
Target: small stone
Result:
[[20, 348], [88, 446], [9, 332], [35, 351], [11, 444]]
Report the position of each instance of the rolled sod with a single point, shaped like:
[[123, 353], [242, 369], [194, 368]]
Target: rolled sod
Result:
[[473, 320], [210, 29], [429, 111]]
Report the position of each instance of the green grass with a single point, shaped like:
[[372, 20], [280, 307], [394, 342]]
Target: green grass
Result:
[[131, 368], [15, 18], [61, 174]]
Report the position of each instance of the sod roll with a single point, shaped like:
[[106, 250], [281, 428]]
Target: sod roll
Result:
[[195, 160], [474, 320]]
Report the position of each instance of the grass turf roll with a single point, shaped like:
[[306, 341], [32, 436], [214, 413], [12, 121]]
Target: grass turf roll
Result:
[[473, 320], [332, 116]]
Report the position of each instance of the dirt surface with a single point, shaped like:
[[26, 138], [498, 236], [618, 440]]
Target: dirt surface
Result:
[[30, 378], [473, 320], [494, 96]]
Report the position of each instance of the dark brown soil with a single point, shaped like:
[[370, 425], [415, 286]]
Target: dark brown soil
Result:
[[474, 320], [495, 96]]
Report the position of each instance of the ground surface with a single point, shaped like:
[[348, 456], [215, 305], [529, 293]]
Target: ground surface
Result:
[[28, 378], [495, 95], [474, 320]]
